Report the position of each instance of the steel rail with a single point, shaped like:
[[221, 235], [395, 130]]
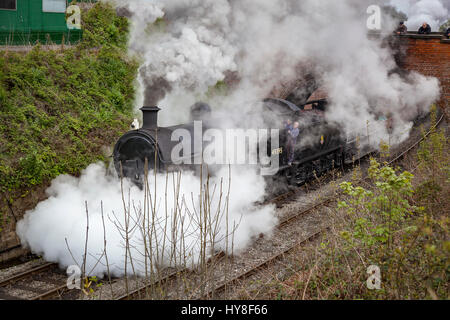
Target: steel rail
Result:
[[142, 290], [261, 265], [3, 251], [286, 221], [51, 293], [419, 141], [26, 274]]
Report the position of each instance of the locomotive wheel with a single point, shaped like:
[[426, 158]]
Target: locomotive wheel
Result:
[[295, 175], [299, 176], [288, 173]]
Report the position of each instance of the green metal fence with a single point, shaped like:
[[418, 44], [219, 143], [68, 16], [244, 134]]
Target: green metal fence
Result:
[[25, 22]]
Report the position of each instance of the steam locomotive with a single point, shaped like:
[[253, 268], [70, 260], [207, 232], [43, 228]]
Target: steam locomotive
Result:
[[150, 147]]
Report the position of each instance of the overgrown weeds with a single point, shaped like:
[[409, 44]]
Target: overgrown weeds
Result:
[[59, 107], [388, 240]]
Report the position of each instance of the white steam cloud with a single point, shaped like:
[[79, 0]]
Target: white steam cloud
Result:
[[434, 12], [267, 43], [172, 220], [187, 46]]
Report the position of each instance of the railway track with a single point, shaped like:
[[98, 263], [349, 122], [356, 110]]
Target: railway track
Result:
[[3, 251], [38, 283], [223, 286], [142, 291], [255, 269], [403, 153], [44, 281]]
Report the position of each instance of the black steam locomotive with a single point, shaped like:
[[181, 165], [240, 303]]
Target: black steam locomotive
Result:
[[321, 146]]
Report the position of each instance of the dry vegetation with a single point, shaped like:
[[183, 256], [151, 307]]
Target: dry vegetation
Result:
[[398, 223]]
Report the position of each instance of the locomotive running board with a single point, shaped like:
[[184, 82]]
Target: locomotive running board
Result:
[[324, 153]]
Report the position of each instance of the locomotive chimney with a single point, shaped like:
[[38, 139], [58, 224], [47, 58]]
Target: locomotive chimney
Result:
[[150, 117]]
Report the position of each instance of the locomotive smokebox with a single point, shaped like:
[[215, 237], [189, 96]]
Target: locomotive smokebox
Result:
[[150, 117]]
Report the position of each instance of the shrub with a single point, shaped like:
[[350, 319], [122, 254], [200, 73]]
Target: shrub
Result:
[[398, 223], [58, 108]]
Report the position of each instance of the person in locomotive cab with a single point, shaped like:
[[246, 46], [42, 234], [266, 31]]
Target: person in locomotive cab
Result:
[[425, 29], [291, 142], [447, 33]]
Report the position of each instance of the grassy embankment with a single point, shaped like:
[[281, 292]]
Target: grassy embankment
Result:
[[58, 108]]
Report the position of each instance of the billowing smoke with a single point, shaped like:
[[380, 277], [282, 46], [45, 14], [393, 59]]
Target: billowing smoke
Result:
[[172, 216], [434, 12], [190, 46], [187, 47]]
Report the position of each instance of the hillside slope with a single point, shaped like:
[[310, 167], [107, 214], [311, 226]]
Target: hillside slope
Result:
[[59, 108]]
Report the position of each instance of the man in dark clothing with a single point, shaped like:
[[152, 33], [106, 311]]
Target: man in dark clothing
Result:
[[401, 29], [425, 29], [447, 33], [291, 142]]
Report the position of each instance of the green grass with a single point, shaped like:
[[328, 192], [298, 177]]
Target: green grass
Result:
[[59, 108]]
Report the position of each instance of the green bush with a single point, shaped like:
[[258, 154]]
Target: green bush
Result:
[[59, 107], [101, 26], [397, 222], [445, 26]]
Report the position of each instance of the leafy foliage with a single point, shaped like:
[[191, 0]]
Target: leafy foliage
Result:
[[398, 222], [59, 107], [398, 225], [102, 27], [445, 26], [387, 203]]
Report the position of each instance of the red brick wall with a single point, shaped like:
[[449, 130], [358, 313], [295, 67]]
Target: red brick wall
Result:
[[429, 56]]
